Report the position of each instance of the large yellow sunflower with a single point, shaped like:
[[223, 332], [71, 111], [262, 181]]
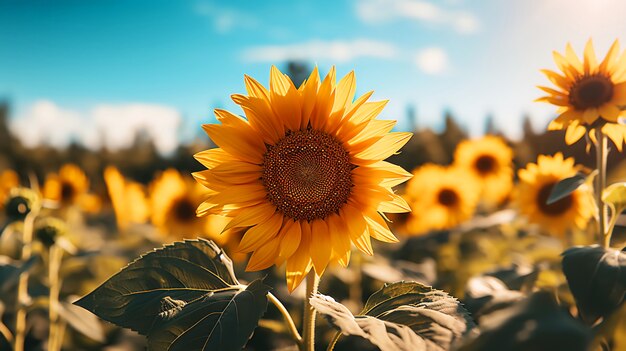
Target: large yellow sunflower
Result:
[[8, 180], [304, 173], [440, 198], [589, 94], [535, 186], [127, 197], [488, 160]]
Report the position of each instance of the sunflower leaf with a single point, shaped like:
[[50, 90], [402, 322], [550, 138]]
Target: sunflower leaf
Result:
[[181, 296], [535, 323], [565, 187], [597, 279], [401, 316]]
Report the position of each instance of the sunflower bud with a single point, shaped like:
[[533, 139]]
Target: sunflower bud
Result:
[[20, 203], [49, 230]]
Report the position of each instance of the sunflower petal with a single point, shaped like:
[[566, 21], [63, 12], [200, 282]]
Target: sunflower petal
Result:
[[265, 256], [299, 264], [261, 233], [320, 249]]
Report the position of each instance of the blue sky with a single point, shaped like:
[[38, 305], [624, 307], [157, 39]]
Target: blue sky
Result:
[[96, 71]]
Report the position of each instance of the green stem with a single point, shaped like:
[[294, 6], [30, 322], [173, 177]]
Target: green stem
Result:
[[56, 254], [22, 288], [602, 151], [308, 329], [288, 320]]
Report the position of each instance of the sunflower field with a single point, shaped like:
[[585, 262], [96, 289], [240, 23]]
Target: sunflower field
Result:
[[304, 222]]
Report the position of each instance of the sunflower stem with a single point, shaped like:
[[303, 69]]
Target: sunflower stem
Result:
[[288, 320], [308, 328], [602, 151], [22, 288], [56, 255]]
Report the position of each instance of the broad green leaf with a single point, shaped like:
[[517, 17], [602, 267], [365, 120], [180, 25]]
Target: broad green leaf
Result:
[[597, 279], [537, 323], [565, 187], [438, 319], [166, 293], [223, 320]]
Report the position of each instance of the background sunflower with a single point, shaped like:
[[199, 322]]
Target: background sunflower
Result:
[[440, 198], [536, 183], [589, 94], [489, 160]]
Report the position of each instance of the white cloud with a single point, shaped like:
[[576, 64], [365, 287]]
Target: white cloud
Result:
[[224, 19], [336, 51], [113, 126], [380, 11], [432, 60]]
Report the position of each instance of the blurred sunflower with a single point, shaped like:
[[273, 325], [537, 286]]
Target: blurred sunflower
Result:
[[173, 203], [8, 180], [440, 197], [535, 186], [304, 173], [589, 94], [127, 197], [489, 160], [67, 185]]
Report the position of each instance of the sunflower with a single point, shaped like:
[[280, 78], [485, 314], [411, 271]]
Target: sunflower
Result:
[[8, 180], [440, 197], [66, 186], [304, 173], [589, 94], [127, 197], [536, 183], [488, 160], [173, 203]]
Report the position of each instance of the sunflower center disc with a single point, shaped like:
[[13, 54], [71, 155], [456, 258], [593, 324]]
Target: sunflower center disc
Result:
[[555, 208], [67, 192], [183, 210], [486, 164], [448, 197], [591, 91], [307, 175]]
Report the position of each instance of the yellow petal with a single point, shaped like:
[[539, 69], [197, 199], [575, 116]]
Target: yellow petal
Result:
[[212, 157], [265, 256], [241, 142], [383, 148], [290, 242], [308, 92], [344, 92], [252, 215], [610, 57], [299, 264], [261, 117], [285, 99], [237, 172], [609, 112], [324, 103], [590, 63], [255, 88], [320, 246], [619, 94], [574, 133], [572, 58], [340, 239], [378, 229], [261, 233], [357, 228]]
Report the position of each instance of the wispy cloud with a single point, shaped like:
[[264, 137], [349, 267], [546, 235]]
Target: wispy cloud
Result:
[[113, 126], [225, 19], [381, 11], [432, 60], [318, 50]]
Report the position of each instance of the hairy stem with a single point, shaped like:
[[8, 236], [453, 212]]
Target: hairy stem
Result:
[[56, 254], [288, 320], [308, 328], [22, 288], [602, 151]]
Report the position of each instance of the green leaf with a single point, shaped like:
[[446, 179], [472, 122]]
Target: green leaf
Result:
[[169, 292], [565, 187], [597, 279], [435, 319], [223, 320], [537, 323]]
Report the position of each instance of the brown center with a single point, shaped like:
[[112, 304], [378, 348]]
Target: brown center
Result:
[[486, 164], [67, 192], [555, 208], [184, 210], [448, 197], [591, 91], [307, 175]]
